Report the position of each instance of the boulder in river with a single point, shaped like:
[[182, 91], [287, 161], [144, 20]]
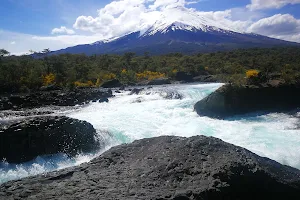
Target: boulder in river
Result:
[[136, 91], [103, 100], [23, 141], [232, 100], [122, 88], [184, 76], [166, 168], [114, 83]]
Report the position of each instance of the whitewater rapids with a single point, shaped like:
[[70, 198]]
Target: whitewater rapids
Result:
[[168, 110]]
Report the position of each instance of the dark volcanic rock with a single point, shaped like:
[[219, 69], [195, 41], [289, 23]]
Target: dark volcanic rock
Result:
[[166, 168], [112, 84], [122, 87], [159, 81], [56, 98], [183, 76], [136, 91], [103, 100], [205, 79], [50, 88], [26, 140], [232, 100]]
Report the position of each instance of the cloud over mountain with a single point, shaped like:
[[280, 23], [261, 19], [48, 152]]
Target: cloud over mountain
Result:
[[121, 17], [62, 30], [268, 4], [278, 24]]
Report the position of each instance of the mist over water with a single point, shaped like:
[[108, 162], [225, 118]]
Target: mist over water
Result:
[[169, 111]]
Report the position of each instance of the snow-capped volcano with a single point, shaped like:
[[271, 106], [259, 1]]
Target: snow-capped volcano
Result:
[[179, 30], [163, 27], [181, 18]]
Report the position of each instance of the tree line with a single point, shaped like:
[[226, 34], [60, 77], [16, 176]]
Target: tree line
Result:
[[29, 73]]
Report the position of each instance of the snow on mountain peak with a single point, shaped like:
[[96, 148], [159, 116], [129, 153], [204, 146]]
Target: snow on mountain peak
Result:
[[100, 42], [178, 18], [185, 19]]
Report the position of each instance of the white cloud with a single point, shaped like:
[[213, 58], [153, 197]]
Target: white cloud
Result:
[[244, 14], [13, 42], [194, 2], [70, 40], [276, 25], [124, 16], [269, 4], [292, 38], [116, 18], [62, 30], [281, 26], [224, 18], [163, 4]]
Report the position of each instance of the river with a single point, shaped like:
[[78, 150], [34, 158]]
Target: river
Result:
[[168, 110]]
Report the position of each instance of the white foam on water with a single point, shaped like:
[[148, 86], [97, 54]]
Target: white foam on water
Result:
[[43, 164], [129, 117]]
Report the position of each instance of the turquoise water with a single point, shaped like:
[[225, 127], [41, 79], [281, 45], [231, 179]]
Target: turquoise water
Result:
[[154, 113]]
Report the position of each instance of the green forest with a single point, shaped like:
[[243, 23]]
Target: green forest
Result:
[[29, 73]]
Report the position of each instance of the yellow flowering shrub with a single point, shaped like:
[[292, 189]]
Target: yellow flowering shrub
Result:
[[104, 77], [82, 84], [252, 73], [98, 82], [174, 71], [108, 76], [48, 79], [149, 75]]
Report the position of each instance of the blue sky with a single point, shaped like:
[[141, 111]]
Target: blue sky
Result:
[[40, 16], [55, 24]]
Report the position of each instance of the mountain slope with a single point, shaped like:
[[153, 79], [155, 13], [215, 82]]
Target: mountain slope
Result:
[[185, 32]]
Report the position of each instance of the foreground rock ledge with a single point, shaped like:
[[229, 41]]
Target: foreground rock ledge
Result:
[[24, 141], [166, 168], [231, 100]]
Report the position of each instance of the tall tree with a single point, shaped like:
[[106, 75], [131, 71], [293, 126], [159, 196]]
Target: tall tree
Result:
[[128, 58], [4, 52], [32, 51], [45, 53]]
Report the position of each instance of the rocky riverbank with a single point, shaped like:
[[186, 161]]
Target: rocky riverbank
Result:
[[25, 140], [166, 168], [54, 98], [232, 100]]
